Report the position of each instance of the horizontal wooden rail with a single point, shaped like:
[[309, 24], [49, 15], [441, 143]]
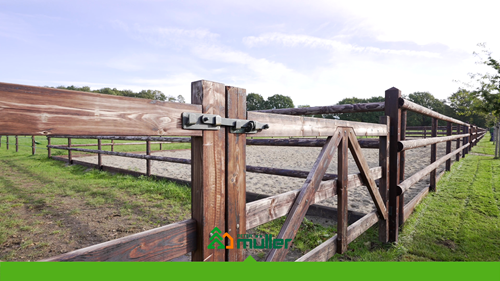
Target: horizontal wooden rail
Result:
[[128, 138], [119, 143], [365, 143], [342, 108], [285, 172], [273, 207], [298, 126], [410, 144], [28, 110], [159, 244], [406, 104], [329, 248], [409, 182]]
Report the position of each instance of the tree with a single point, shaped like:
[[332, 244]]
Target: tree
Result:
[[255, 102], [278, 101], [427, 100], [370, 117]]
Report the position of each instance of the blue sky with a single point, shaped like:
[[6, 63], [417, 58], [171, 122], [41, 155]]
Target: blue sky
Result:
[[317, 52]]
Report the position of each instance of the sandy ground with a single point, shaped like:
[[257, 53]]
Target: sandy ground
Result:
[[297, 158]]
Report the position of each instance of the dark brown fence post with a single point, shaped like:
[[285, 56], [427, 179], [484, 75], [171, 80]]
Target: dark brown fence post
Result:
[[425, 132], [236, 107], [148, 162], [432, 186], [457, 157], [112, 145], [448, 145], [402, 167], [383, 187], [208, 164], [468, 131], [70, 158], [99, 155], [17, 144], [161, 144], [49, 150], [394, 112], [464, 140], [7, 137], [0, 141], [33, 145]]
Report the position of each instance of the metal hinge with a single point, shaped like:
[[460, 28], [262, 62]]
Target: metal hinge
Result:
[[200, 121]]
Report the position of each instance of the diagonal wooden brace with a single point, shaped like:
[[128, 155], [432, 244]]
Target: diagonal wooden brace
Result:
[[305, 196], [365, 174]]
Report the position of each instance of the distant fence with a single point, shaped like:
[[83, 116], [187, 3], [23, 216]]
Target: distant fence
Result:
[[218, 164]]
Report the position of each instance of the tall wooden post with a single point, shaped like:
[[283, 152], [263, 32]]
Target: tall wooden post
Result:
[[464, 140], [342, 211], [432, 186], [0, 141], [99, 155], [402, 167], [457, 156], [448, 145], [208, 167], [468, 131], [17, 144], [7, 137], [161, 144], [394, 112], [49, 150], [383, 187], [70, 158], [112, 145], [148, 162], [236, 107], [33, 145]]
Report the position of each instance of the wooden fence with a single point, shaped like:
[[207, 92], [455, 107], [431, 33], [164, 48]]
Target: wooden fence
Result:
[[218, 164]]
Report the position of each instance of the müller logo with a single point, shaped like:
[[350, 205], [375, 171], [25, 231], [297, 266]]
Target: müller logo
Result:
[[253, 241]]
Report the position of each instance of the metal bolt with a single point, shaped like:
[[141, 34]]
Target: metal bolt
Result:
[[238, 225]]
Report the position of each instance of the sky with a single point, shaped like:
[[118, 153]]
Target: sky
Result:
[[316, 52]]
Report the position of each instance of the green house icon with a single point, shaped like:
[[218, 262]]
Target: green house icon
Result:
[[216, 238]]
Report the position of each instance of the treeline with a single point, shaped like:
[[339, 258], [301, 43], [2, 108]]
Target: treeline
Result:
[[426, 99], [144, 94]]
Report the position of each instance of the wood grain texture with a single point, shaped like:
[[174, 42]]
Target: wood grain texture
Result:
[[411, 144], [342, 181], [235, 172], [298, 126], [342, 108], [285, 172], [383, 186], [28, 110], [276, 206], [208, 177], [402, 159], [159, 244], [304, 199], [406, 104], [128, 138], [17, 144], [360, 160]]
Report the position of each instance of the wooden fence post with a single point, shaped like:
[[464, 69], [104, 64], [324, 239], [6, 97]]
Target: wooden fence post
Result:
[[99, 155], [49, 150], [464, 140], [161, 144], [207, 173], [394, 112], [33, 145], [70, 158], [112, 145], [236, 107], [148, 162], [468, 131], [383, 187], [432, 186], [402, 167], [7, 137], [448, 145], [0, 141], [17, 144], [457, 157], [342, 211]]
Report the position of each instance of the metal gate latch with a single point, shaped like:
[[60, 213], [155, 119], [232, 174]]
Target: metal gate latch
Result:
[[200, 121]]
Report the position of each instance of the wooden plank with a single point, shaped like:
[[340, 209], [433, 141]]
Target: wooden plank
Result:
[[383, 187], [235, 172], [342, 181], [448, 145], [328, 248], [342, 108], [285, 172], [49, 150], [28, 110], [99, 155], [208, 170], [298, 126], [307, 142], [411, 144], [70, 158], [406, 104], [409, 182], [276, 206], [432, 185], [158, 244], [360, 160], [304, 199], [128, 138], [17, 144], [392, 110]]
